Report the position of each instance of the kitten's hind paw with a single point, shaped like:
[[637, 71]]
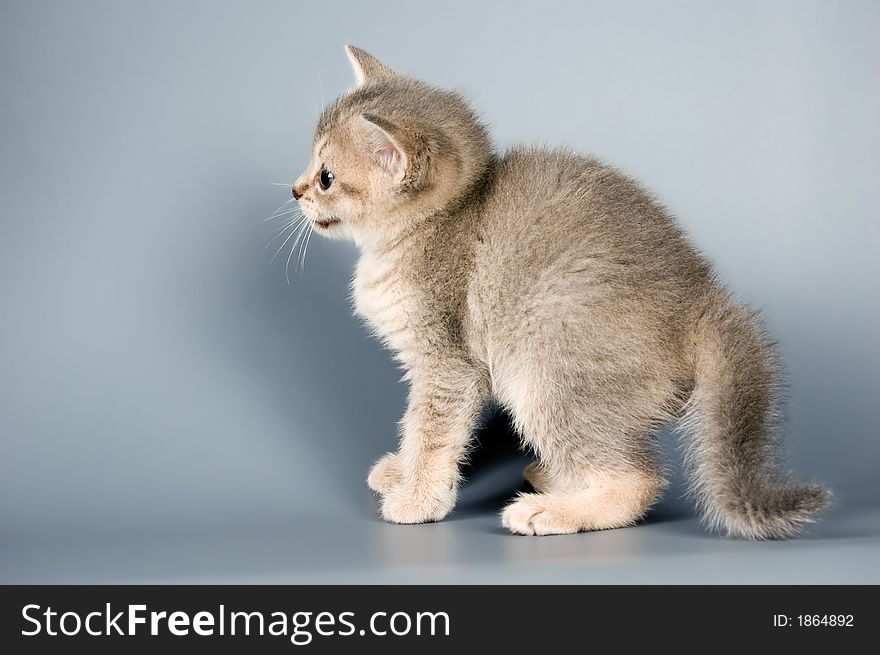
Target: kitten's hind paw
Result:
[[607, 501], [534, 514]]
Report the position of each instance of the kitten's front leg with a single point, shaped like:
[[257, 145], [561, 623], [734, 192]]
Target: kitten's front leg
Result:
[[419, 482]]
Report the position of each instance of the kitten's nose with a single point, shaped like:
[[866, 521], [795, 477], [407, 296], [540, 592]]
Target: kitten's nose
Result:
[[296, 194]]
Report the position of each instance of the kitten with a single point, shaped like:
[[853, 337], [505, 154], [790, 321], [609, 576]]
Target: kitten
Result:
[[557, 287]]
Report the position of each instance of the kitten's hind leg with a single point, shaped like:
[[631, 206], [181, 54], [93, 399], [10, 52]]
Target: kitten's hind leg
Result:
[[536, 476], [596, 465]]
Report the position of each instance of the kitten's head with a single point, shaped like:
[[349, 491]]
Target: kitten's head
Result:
[[390, 152]]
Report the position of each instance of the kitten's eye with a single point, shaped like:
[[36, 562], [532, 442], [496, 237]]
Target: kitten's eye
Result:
[[325, 179]]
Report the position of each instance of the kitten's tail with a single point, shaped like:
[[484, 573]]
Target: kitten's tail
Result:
[[731, 415]]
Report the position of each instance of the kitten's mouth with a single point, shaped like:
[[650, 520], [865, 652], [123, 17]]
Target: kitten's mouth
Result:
[[325, 223]]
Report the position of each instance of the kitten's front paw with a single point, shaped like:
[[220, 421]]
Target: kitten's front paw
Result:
[[385, 473], [419, 503]]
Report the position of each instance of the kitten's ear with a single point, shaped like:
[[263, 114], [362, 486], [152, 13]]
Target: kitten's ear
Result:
[[387, 145], [366, 67]]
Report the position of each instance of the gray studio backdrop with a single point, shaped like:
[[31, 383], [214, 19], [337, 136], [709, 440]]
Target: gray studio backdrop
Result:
[[171, 409]]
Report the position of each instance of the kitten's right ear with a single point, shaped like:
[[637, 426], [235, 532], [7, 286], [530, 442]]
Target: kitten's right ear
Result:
[[366, 67]]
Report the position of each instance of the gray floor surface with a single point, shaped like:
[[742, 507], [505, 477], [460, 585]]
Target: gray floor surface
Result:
[[669, 547]]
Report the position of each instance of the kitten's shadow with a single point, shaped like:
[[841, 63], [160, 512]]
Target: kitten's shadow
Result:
[[493, 472]]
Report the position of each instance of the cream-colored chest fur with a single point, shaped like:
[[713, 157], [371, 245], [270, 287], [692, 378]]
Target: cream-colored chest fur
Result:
[[387, 299]]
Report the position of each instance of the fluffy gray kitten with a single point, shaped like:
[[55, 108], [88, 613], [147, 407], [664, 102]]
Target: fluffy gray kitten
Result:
[[557, 287]]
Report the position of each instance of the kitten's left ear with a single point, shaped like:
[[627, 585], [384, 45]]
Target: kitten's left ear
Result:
[[388, 146], [366, 67]]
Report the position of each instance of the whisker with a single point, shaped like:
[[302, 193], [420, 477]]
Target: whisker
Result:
[[302, 243], [279, 215], [285, 226], [288, 222], [285, 209], [292, 232], [300, 232], [286, 161], [282, 206], [304, 224], [280, 232], [287, 184], [302, 265]]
